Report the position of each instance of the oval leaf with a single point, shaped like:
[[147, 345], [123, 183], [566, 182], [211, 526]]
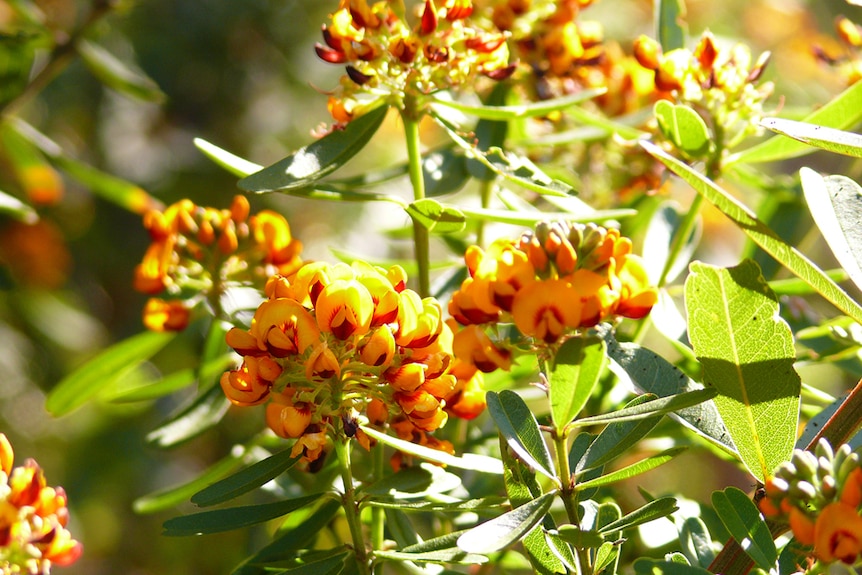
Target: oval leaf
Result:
[[744, 522], [310, 163], [437, 218], [747, 353], [520, 430], [502, 531], [684, 127], [103, 371], [578, 365], [249, 478]]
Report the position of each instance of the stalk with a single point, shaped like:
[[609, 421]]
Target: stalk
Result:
[[351, 509], [414, 159]]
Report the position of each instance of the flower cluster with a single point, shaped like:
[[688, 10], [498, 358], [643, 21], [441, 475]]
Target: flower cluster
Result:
[[820, 495], [202, 250], [33, 518], [334, 344], [387, 57], [849, 63], [551, 282], [720, 82]]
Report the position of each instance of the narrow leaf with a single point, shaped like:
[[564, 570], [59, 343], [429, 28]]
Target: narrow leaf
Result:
[[491, 503], [249, 478], [656, 509], [744, 522], [578, 365], [102, 372], [116, 75], [829, 139], [645, 566], [502, 531], [310, 163], [747, 353], [789, 256], [452, 555], [521, 431], [299, 537], [15, 208], [530, 110], [436, 217], [520, 218], [490, 133], [670, 24], [836, 206], [632, 470], [218, 520], [842, 112], [203, 413], [580, 538], [234, 164], [616, 438], [174, 381], [650, 407], [471, 461]]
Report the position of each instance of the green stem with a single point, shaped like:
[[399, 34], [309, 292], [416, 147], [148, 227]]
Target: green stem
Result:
[[377, 513], [351, 509], [569, 494], [421, 240], [485, 198]]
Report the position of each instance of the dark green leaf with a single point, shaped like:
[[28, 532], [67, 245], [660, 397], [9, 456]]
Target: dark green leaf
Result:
[[103, 371], [202, 414], [310, 163], [174, 381], [502, 531], [632, 470], [444, 171], [116, 75], [617, 438], [328, 562], [683, 127], [490, 133], [218, 520], [518, 426], [577, 367], [490, 503], [436, 217], [656, 509], [670, 24], [249, 478], [290, 541], [743, 521]]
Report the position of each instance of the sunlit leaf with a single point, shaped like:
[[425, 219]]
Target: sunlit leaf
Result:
[[518, 426], [646, 566], [310, 163], [829, 139], [747, 353], [656, 509], [15, 208], [648, 406], [244, 481], [218, 520], [760, 233], [451, 555], [580, 538], [744, 522], [670, 24], [530, 110], [490, 503], [632, 470], [836, 206], [663, 227], [103, 371], [234, 164], [521, 218], [117, 75], [502, 531], [576, 369], [436, 217], [684, 127]]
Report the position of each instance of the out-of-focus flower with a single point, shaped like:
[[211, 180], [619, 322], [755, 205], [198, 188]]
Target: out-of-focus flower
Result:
[[849, 61], [197, 251], [336, 342], [550, 283], [33, 519], [36, 254]]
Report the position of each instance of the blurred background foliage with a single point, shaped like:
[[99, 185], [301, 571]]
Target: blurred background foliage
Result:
[[243, 75]]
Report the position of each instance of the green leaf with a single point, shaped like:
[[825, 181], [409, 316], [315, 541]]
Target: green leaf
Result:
[[650, 372], [632, 470], [580, 538], [437, 218], [519, 218], [744, 522], [167, 498], [696, 542], [829, 139], [490, 503], [174, 381], [836, 206], [103, 371], [15, 208], [249, 478], [530, 110], [451, 555], [490, 133], [747, 353], [616, 438], [326, 562], [234, 164], [301, 536], [577, 367], [683, 127], [502, 531], [655, 509], [470, 461], [521, 431], [218, 520], [203, 413], [760, 233], [17, 52], [650, 406], [670, 24], [310, 163], [842, 112], [414, 482], [645, 566], [116, 75], [444, 171]]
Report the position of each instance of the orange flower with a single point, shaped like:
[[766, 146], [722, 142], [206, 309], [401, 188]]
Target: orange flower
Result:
[[344, 308], [7, 456], [419, 320], [322, 363], [284, 327], [838, 534], [467, 399], [250, 384], [378, 348], [851, 492], [636, 296], [272, 231], [161, 315], [310, 445], [286, 419], [802, 526], [406, 377], [472, 303], [473, 346], [544, 309]]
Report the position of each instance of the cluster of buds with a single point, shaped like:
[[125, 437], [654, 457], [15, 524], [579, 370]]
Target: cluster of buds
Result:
[[336, 344], [387, 57], [720, 82], [198, 251], [849, 63], [819, 494], [33, 519], [553, 281]]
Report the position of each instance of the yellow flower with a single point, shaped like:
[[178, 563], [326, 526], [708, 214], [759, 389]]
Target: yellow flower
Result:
[[251, 383], [344, 308], [544, 309], [473, 346], [322, 363], [419, 320], [7, 455], [284, 327], [161, 315], [310, 445], [286, 419], [378, 349], [838, 534]]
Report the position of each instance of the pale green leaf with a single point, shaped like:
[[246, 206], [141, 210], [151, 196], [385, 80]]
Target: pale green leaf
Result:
[[760, 233], [632, 470], [452, 555], [744, 522], [436, 217], [15, 208], [747, 354], [655, 509], [829, 139], [646, 566], [523, 218], [696, 542], [683, 127], [502, 531], [835, 203], [234, 164], [648, 406], [576, 369]]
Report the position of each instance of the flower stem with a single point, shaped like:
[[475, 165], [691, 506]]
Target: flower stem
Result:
[[351, 509], [414, 159], [377, 513]]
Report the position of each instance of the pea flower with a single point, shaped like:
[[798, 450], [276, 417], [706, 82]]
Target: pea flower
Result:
[[202, 251], [33, 519], [333, 343], [550, 283], [849, 61]]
